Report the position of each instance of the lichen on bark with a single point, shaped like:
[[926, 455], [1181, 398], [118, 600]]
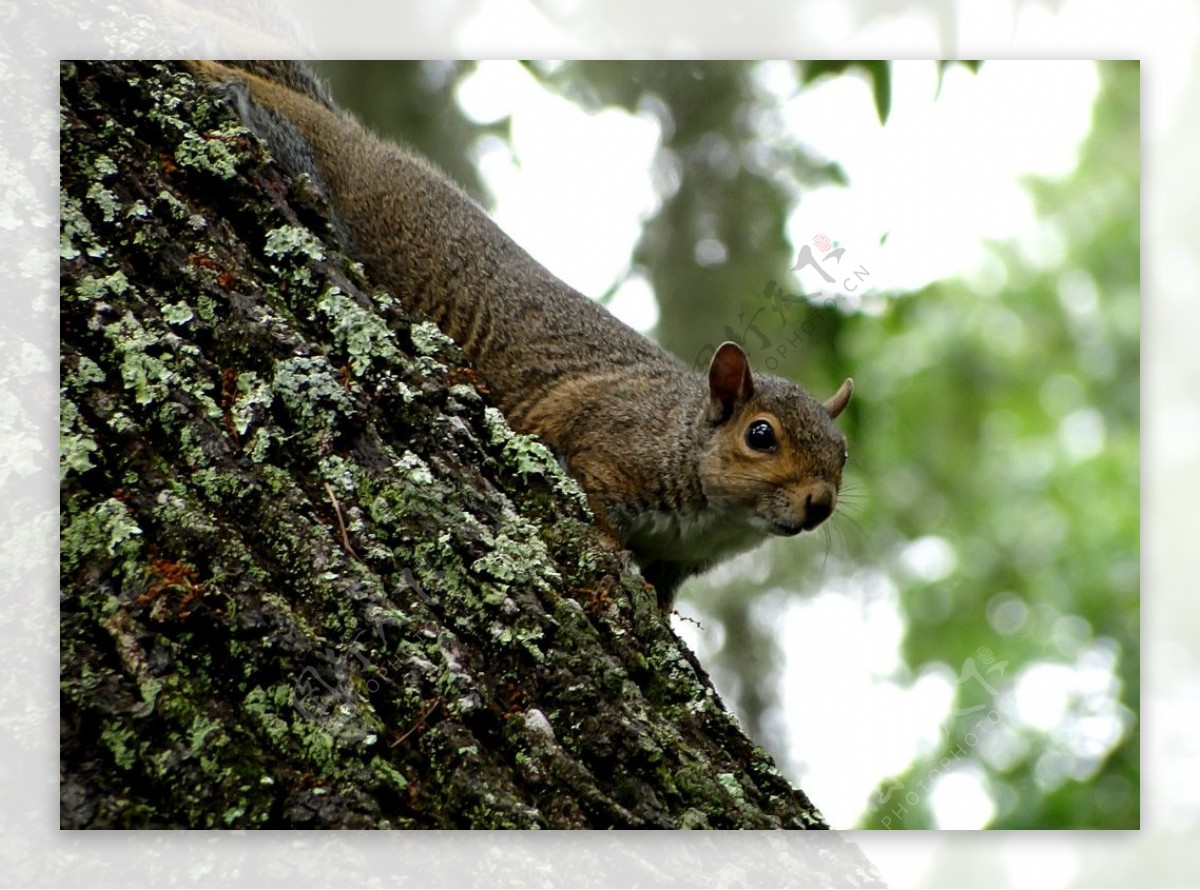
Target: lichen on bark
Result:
[[309, 577]]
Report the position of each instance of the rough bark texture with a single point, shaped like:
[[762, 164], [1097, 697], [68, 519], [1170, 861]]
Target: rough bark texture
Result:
[[309, 577]]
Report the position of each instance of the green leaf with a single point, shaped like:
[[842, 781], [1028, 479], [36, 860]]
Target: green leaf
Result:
[[944, 65], [880, 73], [881, 84]]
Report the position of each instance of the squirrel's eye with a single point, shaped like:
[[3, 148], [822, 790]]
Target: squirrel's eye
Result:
[[845, 458], [760, 436]]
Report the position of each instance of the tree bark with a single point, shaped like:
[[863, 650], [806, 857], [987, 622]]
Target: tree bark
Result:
[[309, 577]]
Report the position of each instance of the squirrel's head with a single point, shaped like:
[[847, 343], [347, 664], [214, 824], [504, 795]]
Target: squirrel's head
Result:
[[775, 456]]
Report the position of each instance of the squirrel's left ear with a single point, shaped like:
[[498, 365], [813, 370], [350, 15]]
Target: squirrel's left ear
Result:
[[729, 383], [837, 402]]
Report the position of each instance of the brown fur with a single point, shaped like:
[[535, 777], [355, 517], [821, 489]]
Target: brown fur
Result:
[[660, 450]]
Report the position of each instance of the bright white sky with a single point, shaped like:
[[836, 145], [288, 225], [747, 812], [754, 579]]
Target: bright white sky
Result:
[[940, 180], [941, 177], [581, 227]]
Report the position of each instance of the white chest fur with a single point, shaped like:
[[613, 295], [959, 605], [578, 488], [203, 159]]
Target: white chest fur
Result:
[[696, 537]]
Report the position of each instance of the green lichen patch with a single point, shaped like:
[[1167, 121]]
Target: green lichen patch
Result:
[[177, 313], [310, 391], [105, 200], [97, 288], [528, 455], [518, 555], [76, 444], [211, 152], [428, 340], [80, 376], [148, 364], [252, 401], [75, 230], [361, 335], [105, 530], [106, 167], [291, 242]]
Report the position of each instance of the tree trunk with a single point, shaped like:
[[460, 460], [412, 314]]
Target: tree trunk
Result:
[[309, 577]]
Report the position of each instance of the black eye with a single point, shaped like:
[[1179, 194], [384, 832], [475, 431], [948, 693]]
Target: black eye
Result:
[[845, 458], [760, 436]]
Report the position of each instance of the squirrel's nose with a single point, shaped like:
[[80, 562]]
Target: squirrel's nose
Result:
[[818, 504]]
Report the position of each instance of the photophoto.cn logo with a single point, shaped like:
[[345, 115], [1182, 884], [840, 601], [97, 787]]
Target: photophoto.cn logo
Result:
[[806, 257], [813, 322]]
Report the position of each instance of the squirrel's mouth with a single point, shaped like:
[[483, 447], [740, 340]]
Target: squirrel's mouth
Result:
[[786, 529], [791, 529]]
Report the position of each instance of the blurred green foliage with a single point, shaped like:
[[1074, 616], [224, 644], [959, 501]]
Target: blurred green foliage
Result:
[[1002, 425], [1025, 459]]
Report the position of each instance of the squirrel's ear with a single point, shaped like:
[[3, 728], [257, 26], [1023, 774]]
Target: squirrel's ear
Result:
[[729, 383], [837, 402]]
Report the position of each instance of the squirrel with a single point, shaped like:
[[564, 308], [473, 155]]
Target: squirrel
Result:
[[684, 469]]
